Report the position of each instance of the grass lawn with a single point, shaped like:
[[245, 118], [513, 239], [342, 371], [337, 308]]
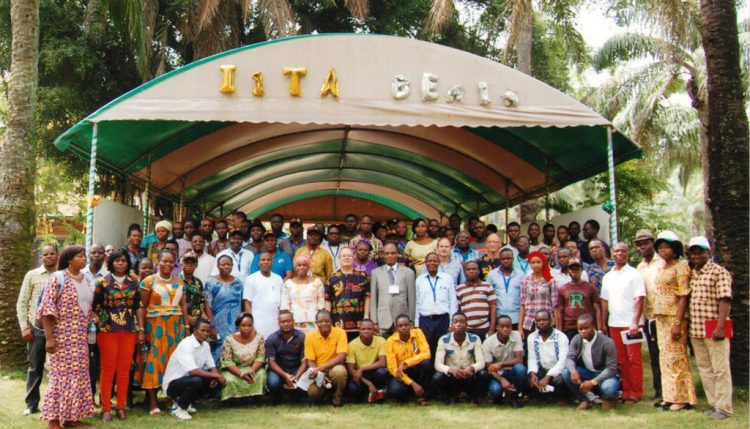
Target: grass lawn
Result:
[[390, 415]]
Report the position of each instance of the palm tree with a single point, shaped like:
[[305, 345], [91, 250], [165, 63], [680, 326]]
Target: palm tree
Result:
[[727, 149], [17, 166]]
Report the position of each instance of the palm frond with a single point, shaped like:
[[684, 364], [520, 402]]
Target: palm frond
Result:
[[278, 20], [358, 8], [440, 15], [208, 11], [630, 46]]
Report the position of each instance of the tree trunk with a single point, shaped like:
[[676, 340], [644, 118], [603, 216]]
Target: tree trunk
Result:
[[701, 106], [17, 165], [728, 145], [524, 41]]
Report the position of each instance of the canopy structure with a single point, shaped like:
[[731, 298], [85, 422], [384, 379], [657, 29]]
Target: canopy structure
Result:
[[418, 128]]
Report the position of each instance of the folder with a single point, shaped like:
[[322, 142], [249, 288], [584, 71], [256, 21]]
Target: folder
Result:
[[711, 327]]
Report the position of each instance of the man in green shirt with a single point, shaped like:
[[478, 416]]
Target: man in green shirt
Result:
[[366, 364]]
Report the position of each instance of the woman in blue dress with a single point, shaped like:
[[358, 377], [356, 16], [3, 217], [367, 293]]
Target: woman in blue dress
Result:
[[224, 296]]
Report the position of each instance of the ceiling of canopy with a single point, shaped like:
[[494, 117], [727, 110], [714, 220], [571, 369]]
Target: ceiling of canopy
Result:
[[409, 153]]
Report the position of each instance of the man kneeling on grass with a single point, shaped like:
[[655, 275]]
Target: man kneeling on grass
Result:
[[591, 365], [365, 363], [506, 373], [191, 372]]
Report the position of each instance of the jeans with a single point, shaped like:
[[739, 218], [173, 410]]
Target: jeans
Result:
[[420, 373], [275, 384], [609, 388], [379, 377], [36, 355], [516, 376], [187, 390]]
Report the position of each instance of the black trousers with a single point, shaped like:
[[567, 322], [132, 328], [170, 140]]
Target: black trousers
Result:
[[434, 327], [187, 390], [93, 367], [446, 387], [36, 355], [421, 373], [653, 352]]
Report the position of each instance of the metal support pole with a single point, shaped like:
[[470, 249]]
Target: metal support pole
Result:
[[612, 189], [507, 203], [147, 197], [546, 190], [92, 188]]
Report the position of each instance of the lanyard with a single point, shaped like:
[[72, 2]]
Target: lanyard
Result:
[[335, 255], [433, 286], [506, 280], [237, 261], [524, 268]]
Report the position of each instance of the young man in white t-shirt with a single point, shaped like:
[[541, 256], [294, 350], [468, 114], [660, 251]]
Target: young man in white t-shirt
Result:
[[622, 296]]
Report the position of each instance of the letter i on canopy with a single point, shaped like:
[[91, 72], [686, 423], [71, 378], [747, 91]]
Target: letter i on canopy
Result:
[[227, 74]]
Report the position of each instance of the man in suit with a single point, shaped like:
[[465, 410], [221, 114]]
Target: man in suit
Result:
[[392, 291]]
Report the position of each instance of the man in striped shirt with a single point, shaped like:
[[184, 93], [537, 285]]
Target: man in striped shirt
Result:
[[477, 300]]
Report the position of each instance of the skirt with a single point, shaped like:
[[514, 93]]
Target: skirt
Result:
[[239, 388], [676, 379], [163, 334]]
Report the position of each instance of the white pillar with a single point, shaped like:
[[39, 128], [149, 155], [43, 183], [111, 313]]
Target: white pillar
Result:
[[92, 188], [612, 189]]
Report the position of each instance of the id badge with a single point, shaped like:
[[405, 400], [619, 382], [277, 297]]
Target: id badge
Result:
[[393, 289]]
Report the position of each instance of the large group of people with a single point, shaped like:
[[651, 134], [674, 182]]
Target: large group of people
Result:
[[364, 311]]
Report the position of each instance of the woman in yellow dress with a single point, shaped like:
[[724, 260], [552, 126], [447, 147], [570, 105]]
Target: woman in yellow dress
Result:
[[670, 301], [421, 245]]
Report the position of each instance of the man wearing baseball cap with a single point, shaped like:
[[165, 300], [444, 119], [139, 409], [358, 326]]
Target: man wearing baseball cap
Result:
[[710, 301], [575, 298], [649, 268], [295, 241]]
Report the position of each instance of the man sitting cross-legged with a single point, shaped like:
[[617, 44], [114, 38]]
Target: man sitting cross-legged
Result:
[[458, 361], [365, 363], [591, 365], [503, 353]]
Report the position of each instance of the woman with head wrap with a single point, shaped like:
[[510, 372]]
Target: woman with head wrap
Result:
[[538, 292], [162, 229], [303, 295]]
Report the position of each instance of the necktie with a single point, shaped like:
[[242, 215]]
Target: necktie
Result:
[[391, 275]]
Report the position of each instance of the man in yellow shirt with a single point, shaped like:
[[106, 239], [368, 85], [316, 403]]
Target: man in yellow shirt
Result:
[[325, 351], [322, 261], [408, 357], [365, 363]]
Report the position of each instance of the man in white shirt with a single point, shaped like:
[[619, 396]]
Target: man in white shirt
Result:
[[436, 301], [191, 372], [622, 296], [548, 349], [332, 243], [206, 262], [241, 258], [97, 267], [262, 296]]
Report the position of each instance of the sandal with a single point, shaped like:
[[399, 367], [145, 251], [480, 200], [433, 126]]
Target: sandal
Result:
[[106, 416], [155, 412], [121, 414], [375, 396], [422, 402]]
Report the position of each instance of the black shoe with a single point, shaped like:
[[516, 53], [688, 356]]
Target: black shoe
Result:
[[515, 403], [30, 410]]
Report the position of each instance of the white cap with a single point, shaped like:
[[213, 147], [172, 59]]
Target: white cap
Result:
[[667, 235], [699, 241]]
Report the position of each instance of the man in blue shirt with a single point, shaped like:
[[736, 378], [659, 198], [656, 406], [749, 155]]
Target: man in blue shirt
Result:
[[506, 280], [436, 301]]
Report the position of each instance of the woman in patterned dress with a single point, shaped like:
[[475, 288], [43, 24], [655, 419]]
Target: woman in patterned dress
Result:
[[165, 314], [538, 292], [303, 295], [162, 229], [421, 245], [670, 309], [224, 298], [65, 310], [242, 359], [117, 302], [347, 295]]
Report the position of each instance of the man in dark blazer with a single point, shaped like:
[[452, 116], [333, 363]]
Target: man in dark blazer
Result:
[[392, 291], [591, 365]]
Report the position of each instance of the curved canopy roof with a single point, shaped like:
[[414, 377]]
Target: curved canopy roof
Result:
[[440, 146]]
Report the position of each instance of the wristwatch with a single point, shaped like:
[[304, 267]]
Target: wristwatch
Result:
[[677, 322]]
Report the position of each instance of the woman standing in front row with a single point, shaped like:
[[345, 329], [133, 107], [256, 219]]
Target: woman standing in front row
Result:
[[165, 315], [117, 303], [670, 308], [65, 311]]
